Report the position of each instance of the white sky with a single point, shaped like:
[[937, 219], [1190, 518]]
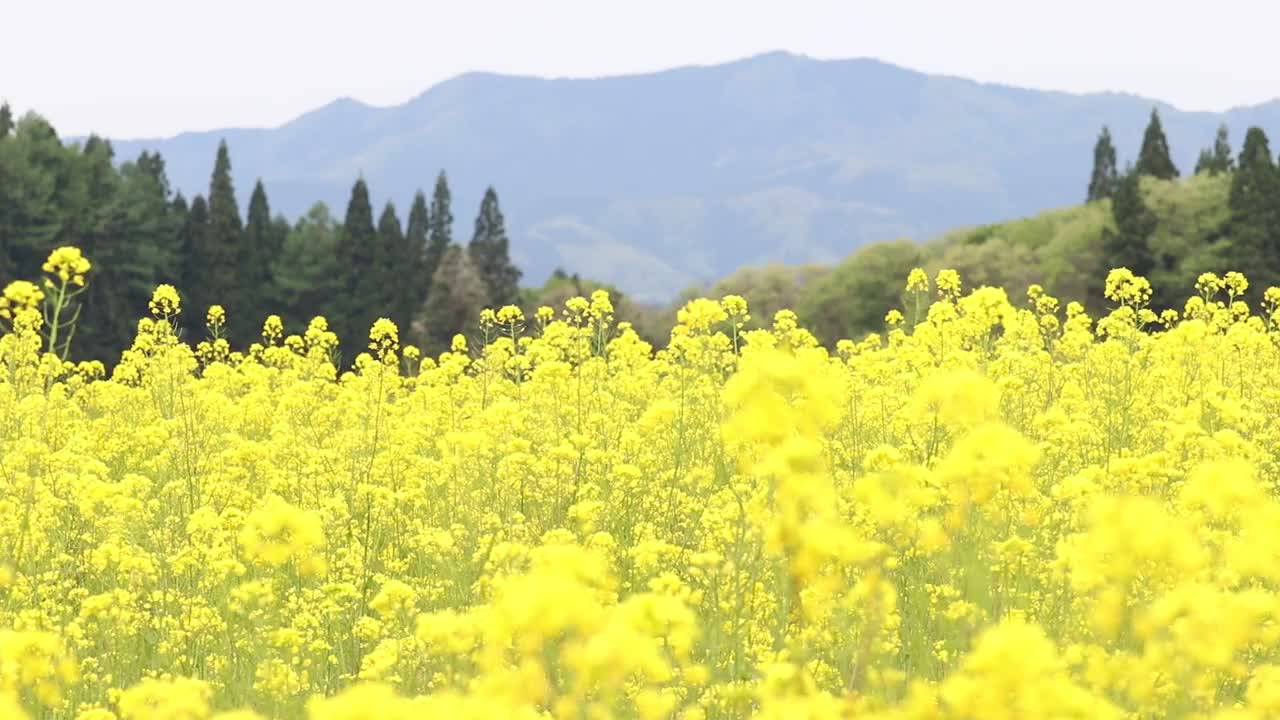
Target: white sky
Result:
[[141, 68]]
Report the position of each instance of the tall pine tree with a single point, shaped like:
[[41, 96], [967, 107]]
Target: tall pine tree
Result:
[[1223, 162], [361, 284], [392, 256], [1254, 224], [489, 254], [307, 275], [440, 236], [1153, 158], [179, 208], [1102, 182], [415, 282], [194, 238], [140, 251], [1129, 245], [256, 254], [1217, 160], [218, 254], [6, 120]]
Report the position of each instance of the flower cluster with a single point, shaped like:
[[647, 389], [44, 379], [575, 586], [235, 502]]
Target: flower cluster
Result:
[[991, 510]]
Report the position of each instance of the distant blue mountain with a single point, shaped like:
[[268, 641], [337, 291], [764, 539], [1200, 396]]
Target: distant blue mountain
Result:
[[654, 182]]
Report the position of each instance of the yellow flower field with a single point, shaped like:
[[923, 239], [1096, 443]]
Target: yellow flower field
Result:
[[1001, 508]]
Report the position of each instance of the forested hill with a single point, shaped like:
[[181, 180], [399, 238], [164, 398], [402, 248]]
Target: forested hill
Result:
[[1167, 224], [654, 182]]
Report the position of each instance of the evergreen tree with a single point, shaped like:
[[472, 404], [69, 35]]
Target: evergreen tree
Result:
[[1129, 245], [361, 288], [1153, 158], [413, 292], [1222, 160], [393, 253], [307, 274], [489, 254], [6, 120], [440, 236], [1204, 162], [194, 238], [457, 296], [1216, 160], [276, 237], [179, 209], [1102, 182], [1255, 154], [218, 254], [136, 251], [94, 214], [42, 181], [1254, 224], [256, 254]]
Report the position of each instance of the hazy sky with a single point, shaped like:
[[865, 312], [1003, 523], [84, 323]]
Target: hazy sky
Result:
[[133, 68]]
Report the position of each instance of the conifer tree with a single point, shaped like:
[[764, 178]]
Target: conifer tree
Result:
[[1153, 158], [361, 285], [1216, 160], [1129, 245], [415, 282], [276, 237], [1102, 182], [1222, 160], [489, 254], [1254, 224], [440, 236], [1204, 162], [179, 207], [193, 241], [256, 255], [307, 274], [218, 254], [392, 255], [6, 120]]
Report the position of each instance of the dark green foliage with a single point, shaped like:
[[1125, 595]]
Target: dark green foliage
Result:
[[1222, 159], [1102, 182], [1223, 162], [361, 283], [122, 219], [1153, 158], [440, 235], [1254, 225], [1218, 159], [138, 234], [1129, 244], [36, 186], [213, 274], [277, 234], [193, 238], [136, 250], [1255, 154], [308, 281], [257, 249], [489, 252], [393, 254], [415, 282]]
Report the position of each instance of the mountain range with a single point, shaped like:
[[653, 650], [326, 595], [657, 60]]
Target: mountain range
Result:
[[659, 181]]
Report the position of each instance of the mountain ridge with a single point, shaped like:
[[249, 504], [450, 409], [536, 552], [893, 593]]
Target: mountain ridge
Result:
[[655, 181]]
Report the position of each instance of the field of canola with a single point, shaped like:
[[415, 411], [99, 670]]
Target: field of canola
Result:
[[1000, 508]]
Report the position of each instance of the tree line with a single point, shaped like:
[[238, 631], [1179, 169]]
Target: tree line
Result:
[[1249, 238], [139, 233]]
